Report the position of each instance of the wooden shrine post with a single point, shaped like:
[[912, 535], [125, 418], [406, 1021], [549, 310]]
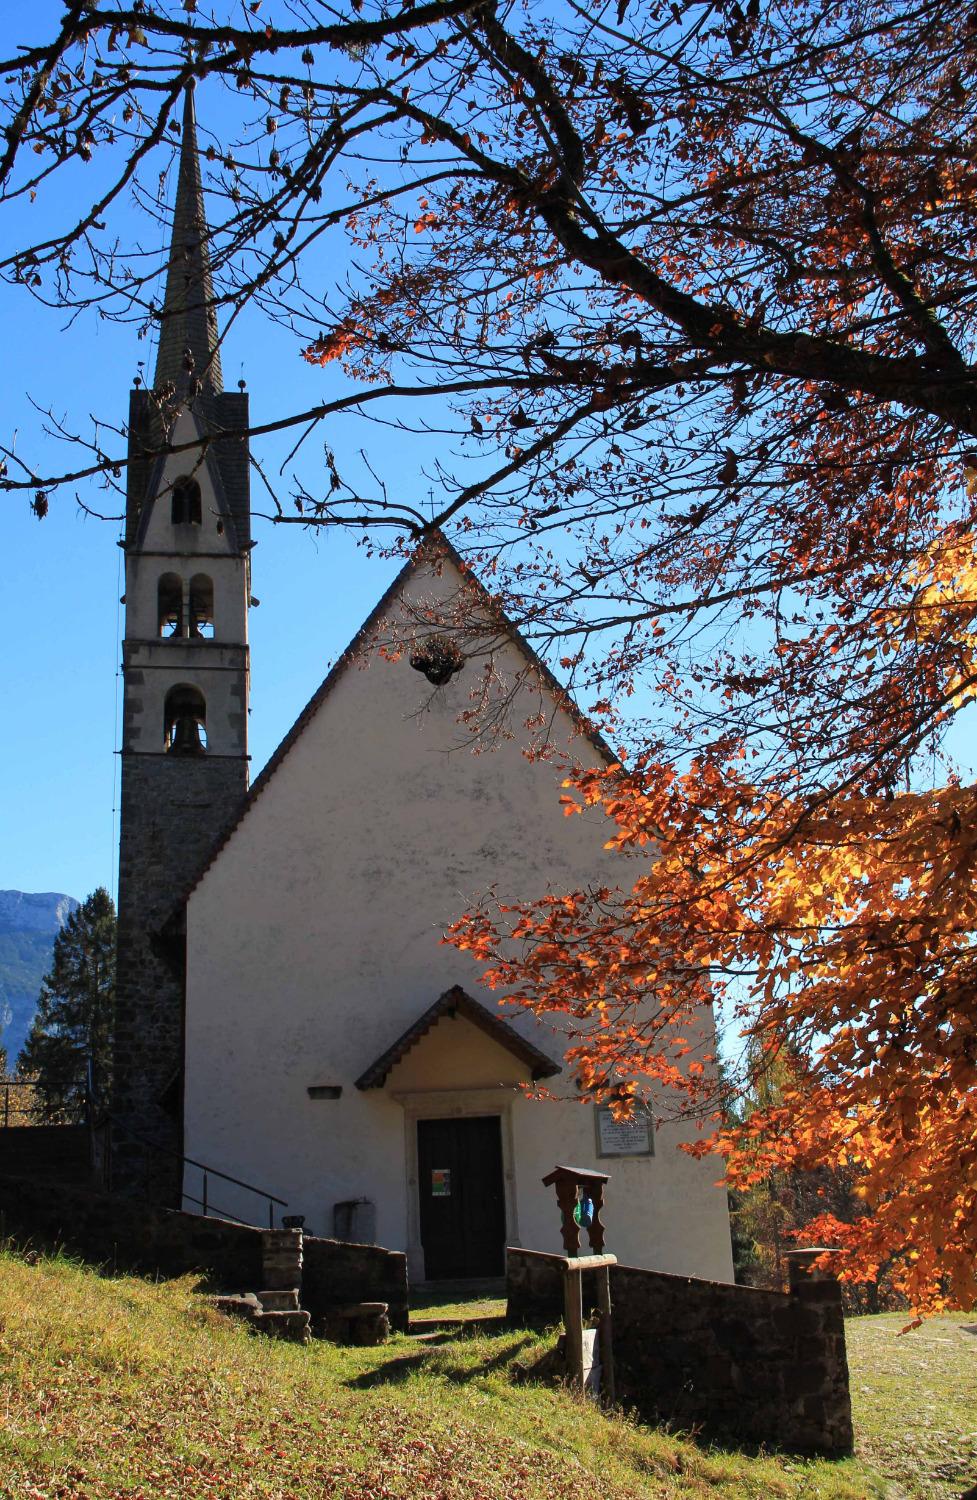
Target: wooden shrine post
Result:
[[576, 1185]]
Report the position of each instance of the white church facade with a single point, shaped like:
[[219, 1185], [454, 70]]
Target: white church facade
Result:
[[289, 1014], [337, 1047]]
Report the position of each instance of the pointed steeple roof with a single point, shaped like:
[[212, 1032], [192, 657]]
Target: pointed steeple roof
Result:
[[188, 320]]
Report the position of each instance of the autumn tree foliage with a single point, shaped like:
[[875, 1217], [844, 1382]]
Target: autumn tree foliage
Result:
[[687, 293], [766, 1214]]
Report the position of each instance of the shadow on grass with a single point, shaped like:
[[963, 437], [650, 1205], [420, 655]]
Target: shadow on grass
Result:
[[402, 1366]]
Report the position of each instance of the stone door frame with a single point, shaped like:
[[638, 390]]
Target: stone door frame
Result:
[[455, 1104]]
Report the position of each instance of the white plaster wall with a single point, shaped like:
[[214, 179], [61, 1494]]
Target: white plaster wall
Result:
[[313, 943]]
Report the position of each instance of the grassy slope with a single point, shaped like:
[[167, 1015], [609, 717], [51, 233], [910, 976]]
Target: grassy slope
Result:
[[914, 1399], [914, 1396], [119, 1390]]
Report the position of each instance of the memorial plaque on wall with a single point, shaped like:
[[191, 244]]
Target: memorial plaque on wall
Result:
[[631, 1137]]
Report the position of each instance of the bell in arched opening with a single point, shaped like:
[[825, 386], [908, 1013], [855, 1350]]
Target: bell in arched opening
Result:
[[201, 608], [169, 606], [186, 737], [185, 721]]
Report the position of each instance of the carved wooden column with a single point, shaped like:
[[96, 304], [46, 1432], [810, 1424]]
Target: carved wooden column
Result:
[[570, 1184], [575, 1186]]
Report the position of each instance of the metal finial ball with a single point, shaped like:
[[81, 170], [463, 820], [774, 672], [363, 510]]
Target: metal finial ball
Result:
[[242, 385]]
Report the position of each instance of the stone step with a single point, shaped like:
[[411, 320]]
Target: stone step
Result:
[[236, 1305], [489, 1323], [279, 1299], [293, 1325]]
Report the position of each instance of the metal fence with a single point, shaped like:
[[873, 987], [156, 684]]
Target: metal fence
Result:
[[19, 1104]]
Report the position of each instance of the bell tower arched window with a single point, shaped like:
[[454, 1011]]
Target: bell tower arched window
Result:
[[186, 501], [170, 606], [185, 721], [201, 607]]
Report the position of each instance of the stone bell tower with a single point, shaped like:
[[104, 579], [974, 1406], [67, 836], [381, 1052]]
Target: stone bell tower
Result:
[[185, 664]]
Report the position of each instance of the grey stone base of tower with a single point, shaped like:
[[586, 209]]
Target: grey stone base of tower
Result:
[[173, 811]]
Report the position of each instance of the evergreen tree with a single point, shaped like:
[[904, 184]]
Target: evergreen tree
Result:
[[74, 1012]]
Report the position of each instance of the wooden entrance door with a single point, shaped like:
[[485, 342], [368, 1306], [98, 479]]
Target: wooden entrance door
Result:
[[462, 1197]]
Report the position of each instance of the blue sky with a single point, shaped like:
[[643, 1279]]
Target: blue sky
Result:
[[59, 607], [62, 621]]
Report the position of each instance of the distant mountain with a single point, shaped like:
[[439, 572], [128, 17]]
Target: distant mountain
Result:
[[29, 923]]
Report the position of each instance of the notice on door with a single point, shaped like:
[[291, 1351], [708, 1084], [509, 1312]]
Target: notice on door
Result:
[[633, 1137], [440, 1182]]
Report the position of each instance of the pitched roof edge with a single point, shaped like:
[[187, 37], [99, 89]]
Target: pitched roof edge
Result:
[[435, 545], [564, 697], [285, 744], [457, 1001]]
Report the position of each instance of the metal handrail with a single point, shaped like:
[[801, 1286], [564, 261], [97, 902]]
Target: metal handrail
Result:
[[207, 1171], [189, 1161], [225, 1177], [13, 1083], [219, 1213], [35, 1116]]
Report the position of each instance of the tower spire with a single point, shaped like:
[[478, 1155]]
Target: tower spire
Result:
[[188, 347]]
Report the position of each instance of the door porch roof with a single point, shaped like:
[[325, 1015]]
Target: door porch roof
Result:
[[457, 1002]]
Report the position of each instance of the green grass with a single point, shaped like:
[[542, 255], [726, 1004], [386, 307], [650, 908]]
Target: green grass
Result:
[[458, 1300], [914, 1400], [121, 1390]]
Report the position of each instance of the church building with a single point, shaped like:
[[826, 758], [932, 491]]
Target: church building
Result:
[[288, 1015]]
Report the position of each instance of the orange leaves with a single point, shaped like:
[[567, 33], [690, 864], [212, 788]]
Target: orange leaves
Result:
[[848, 922], [334, 345]]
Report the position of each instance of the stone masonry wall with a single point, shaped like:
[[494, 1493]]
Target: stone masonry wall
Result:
[[173, 812], [755, 1366], [336, 1272], [57, 1153], [122, 1234]]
